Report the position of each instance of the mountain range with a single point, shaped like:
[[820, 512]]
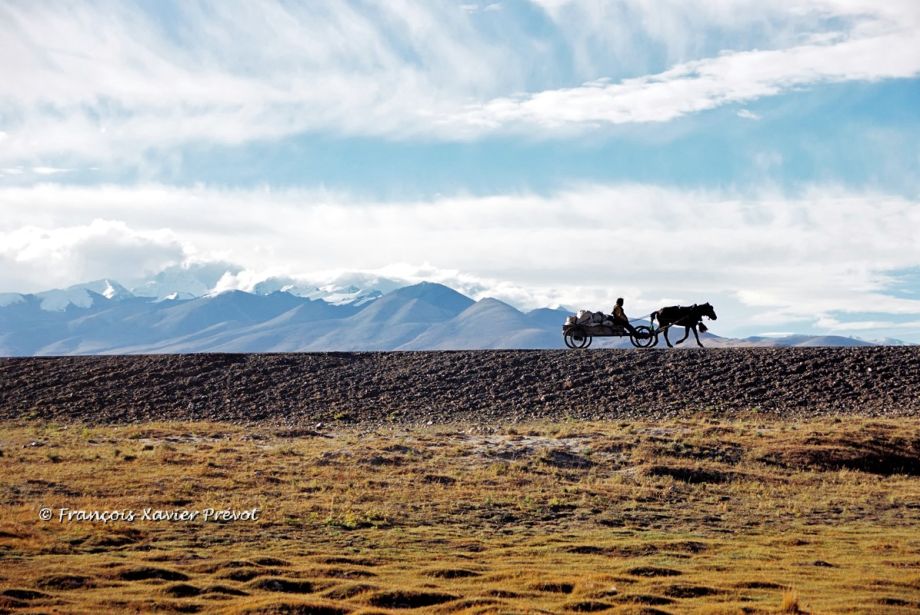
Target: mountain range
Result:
[[183, 311]]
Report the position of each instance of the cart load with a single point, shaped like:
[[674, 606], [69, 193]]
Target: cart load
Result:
[[589, 318]]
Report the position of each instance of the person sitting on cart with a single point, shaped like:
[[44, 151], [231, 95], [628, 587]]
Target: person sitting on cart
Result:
[[619, 317]]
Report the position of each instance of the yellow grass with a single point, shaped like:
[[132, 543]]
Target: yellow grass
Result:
[[699, 516], [790, 602]]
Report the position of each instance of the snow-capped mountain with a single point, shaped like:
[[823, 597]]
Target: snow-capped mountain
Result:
[[284, 285], [193, 280], [11, 299], [354, 288], [332, 292], [184, 281], [82, 295], [885, 341], [103, 317]]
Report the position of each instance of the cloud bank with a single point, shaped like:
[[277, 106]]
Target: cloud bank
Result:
[[34, 258], [777, 258]]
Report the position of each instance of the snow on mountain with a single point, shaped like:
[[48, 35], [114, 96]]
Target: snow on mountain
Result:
[[345, 289], [82, 295], [349, 295], [333, 293], [201, 279], [11, 299], [185, 281], [367, 281], [103, 317], [284, 285], [177, 296], [886, 341]]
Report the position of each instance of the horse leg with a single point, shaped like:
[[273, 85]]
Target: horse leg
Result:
[[670, 345], [686, 334], [698, 342]]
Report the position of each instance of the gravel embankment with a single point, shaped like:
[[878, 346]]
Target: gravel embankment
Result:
[[476, 386]]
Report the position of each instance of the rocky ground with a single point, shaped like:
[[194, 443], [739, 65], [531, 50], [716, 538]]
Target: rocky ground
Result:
[[485, 387]]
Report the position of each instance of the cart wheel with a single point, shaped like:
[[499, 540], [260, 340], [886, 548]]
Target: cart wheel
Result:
[[644, 337], [581, 339], [569, 338], [576, 338]]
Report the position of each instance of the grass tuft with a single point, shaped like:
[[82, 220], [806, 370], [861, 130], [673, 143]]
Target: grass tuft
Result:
[[790, 603]]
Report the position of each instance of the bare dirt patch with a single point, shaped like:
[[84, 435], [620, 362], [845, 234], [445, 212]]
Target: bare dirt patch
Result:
[[407, 599]]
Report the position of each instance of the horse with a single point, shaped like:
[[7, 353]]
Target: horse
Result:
[[687, 317]]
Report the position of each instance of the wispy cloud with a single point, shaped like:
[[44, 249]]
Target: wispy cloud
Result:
[[112, 81], [48, 170], [832, 324], [705, 84], [488, 7]]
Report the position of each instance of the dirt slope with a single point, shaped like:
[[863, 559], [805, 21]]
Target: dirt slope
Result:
[[479, 386]]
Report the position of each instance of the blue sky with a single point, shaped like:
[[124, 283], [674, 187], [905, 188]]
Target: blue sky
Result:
[[760, 155]]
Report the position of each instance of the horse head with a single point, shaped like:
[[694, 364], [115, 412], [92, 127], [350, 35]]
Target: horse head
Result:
[[708, 311]]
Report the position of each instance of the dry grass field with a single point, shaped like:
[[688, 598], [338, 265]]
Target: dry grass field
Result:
[[700, 515]]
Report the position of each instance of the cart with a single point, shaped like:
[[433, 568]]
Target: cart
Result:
[[581, 336]]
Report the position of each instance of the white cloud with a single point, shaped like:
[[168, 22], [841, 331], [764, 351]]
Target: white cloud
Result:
[[832, 324], [482, 8], [748, 114], [115, 82], [34, 259], [706, 84], [48, 170], [769, 258]]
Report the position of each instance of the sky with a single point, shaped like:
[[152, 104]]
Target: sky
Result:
[[760, 155]]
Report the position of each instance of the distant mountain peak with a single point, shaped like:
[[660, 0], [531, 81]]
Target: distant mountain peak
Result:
[[82, 295], [11, 299], [431, 290], [490, 303], [102, 316], [204, 279]]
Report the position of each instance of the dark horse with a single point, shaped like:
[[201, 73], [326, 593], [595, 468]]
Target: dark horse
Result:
[[687, 317]]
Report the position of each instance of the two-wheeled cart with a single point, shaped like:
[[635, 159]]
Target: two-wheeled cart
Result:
[[581, 336]]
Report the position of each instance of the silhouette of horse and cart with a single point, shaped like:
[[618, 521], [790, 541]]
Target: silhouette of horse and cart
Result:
[[577, 335]]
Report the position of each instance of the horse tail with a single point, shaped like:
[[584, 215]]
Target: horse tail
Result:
[[652, 318]]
